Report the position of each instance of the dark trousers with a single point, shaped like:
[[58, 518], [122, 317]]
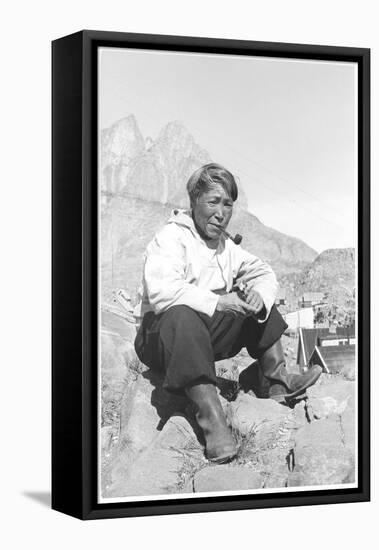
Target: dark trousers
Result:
[[184, 344]]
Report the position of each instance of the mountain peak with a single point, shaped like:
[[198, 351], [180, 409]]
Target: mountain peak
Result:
[[129, 121], [174, 127], [176, 137]]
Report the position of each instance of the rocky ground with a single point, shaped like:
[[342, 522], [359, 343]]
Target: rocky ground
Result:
[[151, 446]]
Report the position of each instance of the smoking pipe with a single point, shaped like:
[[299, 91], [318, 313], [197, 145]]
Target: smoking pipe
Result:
[[237, 239]]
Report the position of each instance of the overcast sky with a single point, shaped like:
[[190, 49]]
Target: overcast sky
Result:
[[286, 128]]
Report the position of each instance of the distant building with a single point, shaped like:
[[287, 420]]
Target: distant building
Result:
[[334, 359], [310, 338], [334, 339], [311, 299], [281, 299]]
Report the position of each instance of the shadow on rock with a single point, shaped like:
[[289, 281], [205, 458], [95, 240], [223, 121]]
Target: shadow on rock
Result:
[[228, 388], [165, 403], [168, 404]]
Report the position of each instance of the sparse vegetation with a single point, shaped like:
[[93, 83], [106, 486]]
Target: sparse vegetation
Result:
[[193, 460], [110, 412], [136, 367], [246, 446]]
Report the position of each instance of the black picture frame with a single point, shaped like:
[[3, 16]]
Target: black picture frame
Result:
[[74, 272]]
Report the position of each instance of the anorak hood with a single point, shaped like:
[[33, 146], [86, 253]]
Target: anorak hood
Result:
[[184, 218]]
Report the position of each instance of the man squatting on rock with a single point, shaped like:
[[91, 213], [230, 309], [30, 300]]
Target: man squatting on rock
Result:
[[194, 316]]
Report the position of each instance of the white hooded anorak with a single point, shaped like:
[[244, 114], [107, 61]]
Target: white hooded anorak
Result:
[[180, 269]]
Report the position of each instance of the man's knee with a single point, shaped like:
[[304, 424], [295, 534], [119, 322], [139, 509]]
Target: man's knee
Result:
[[261, 336], [181, 318], [180, 314]]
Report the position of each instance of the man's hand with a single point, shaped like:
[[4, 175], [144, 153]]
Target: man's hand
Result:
[[254, 299], [232, 303]]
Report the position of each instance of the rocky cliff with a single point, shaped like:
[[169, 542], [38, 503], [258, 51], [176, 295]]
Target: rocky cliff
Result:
[[333, 268], [332, 272]]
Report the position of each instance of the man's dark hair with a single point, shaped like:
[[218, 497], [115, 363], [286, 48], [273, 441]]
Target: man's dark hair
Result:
[[206, 177]]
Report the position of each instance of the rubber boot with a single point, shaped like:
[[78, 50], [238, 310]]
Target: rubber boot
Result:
[[219, 442], [285, 386]]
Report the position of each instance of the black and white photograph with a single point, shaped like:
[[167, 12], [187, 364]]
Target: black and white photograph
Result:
[[227, 275], [189, 213]]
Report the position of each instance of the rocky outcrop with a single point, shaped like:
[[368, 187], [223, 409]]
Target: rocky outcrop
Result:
[[321, 456], [333, 267], [332, 395], [157, 469], [332, 273], [151, 444], [226, 478]]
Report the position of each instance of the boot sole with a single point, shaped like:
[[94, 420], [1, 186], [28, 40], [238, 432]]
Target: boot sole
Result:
[[222, 459], [289, 396]]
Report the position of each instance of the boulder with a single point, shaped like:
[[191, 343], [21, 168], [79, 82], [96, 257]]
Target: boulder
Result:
[[106, 439], [144, 410], [177, 434], [276, 479], [159, 469], [139, 419], [348, 372], [226, 478], [320, 456], [154, 473], [300, 414], [333, 396], [348, 424], [117, 324], [249, 414], [116, 357], [265, 430]]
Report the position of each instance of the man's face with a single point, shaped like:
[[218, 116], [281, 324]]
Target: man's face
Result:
[[212, 211]]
